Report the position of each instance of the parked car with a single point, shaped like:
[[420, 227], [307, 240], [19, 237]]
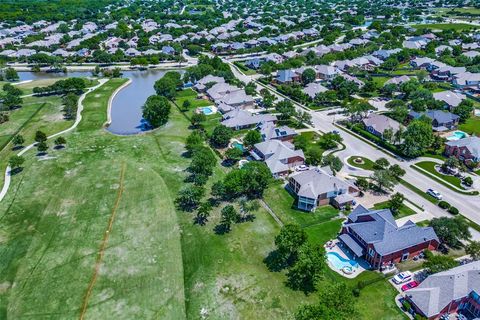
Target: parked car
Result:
[[336, 132], [402, 277], [437, 195], [410, 285], [302, 167]]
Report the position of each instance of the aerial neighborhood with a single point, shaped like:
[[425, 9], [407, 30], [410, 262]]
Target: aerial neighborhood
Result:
[[240, 159]]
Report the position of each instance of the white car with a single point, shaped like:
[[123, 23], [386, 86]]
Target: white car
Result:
[[302, 168], [403, 277], [435, 194]]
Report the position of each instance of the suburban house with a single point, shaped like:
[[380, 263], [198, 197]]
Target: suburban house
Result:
[[421, 63], [467, 80], [446, 73], [466, 149], [279, 156], [451, 291], [269, 131], [451, 99], [224, 93], [397, 80], [287, 76], [377, 124], [201, 84], [312, 89], [315, 187], [326, 72], [441, 120], [240, 119], [375, 236]]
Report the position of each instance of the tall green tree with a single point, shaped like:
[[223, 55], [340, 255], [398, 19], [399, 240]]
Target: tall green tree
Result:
[[156, 110]]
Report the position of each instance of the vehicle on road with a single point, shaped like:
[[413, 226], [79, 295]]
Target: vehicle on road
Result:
[[410, 285], [434, 193], [302, 168], [402, 277]]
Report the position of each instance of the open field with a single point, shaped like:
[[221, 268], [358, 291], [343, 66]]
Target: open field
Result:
[[446, 26], [155, 263], [471, 126]]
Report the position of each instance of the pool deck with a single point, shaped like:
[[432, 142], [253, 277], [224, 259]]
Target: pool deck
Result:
[[336, 246]]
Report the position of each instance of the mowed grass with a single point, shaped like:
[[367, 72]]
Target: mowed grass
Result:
[[404, 211], [430, 167], [471, 126], [157, 264], [446, 26]]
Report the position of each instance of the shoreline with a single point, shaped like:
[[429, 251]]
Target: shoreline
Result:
[[110, 101], [123, 67]]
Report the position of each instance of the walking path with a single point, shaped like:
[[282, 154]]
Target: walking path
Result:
[[8, 177]]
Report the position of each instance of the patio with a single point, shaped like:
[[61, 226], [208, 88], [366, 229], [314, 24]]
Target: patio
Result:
[[336, 247]]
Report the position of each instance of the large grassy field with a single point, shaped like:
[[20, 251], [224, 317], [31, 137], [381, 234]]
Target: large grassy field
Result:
[[94, 230], [446, 26], [471, 126]]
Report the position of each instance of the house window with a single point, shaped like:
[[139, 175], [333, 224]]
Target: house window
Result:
[[371, 252], [405, 256]]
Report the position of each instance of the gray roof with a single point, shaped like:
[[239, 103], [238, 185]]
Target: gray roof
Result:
[[451, 98], [380, 123], [471, 143], [439, 289], [382, 231], [352, 244], [315, 182], [241, 118], [312, 89], [398, 80], [269, 131], [276, 153], [439, 115]]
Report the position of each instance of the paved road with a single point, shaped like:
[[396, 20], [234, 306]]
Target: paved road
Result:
[[469, 206]]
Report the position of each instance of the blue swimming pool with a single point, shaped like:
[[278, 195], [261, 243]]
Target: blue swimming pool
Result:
[[457, 135], [207, 110], [238, 145], [340, 262]]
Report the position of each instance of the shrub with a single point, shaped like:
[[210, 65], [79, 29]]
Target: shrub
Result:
[[356, 292], [468, 181], [406, 305], [453, 210], [444, 205]]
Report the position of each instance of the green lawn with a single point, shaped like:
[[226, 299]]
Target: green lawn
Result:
[[157, 264], [446, 26], [283, 204], [403, 212], [471, 126], [430, 167], [366, 165]]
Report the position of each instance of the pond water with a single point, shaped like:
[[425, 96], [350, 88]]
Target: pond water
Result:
[[126, 112]]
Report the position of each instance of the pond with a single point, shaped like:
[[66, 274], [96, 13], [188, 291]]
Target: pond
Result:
[[126, 111]]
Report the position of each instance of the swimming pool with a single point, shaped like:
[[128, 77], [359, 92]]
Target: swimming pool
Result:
[[340, 262], [457, 135], [238, 145], [207, 110]]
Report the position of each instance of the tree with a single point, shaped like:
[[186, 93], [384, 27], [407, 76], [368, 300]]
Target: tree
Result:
[[396, 202], [417, 138], [383, 179], [387, 134], [288, 241], [167, 85], [464, 110], [251, 181], [250, 89], [335, 301], [228, 215], [396, 171], [16, 162], [221, 136], [156, 110], [203, 212], [197, 119], [473, 249], [189, 197], [333, 162], [11, 101], [421, 75], [451, 230], [308, 268], [286, 109], [186, 105], [308, 76], [314, 156], [362, 183], [252, 137], [42, 146], [40, 136], [330, 140], [233, 154], [11, 74], [203, 162], [194, 140], [439, 263], [382, 163], [300, 141], [18, 140], [60, 141], [304, 117]]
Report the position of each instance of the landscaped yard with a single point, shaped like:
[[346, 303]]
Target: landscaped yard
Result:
[[446, 26], [471, 126], [430, 167], [365, 164], [404, 211]]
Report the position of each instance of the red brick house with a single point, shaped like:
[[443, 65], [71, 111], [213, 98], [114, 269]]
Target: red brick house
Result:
[[376, 237], [466, 149]]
